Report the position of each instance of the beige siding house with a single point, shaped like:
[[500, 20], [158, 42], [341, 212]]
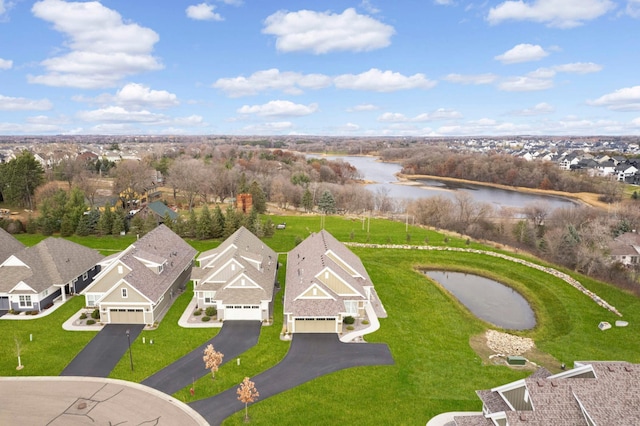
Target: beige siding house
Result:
[[326, 282], [238, 278], [139, 284]]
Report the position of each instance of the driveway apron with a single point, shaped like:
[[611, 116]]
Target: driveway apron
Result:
[[104, 351], [234, 338], [310, 356]]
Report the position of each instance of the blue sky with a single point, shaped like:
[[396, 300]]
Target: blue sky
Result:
[[336, 68]]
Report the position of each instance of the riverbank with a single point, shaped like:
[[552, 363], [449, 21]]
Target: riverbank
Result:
[[585, 198]]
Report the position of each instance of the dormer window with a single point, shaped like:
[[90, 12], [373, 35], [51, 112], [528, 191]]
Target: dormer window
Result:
[[120, 269], [124, 293]]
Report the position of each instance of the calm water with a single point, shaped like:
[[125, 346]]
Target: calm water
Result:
[[487, 299], [383, 174]]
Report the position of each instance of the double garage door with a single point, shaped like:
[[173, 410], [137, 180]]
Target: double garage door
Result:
[[242, 312], [315, 325], [126, 316]]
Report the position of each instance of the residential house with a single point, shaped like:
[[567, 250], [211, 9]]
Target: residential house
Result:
[[625, 249], [592, 393], [139, 284], [625, 170], [326, 282], [158, 210], [238, 278], [31, 278]]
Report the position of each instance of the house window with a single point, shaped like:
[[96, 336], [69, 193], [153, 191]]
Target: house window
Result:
[[91, 300], [120, 269], [208, 297], [124, 293], [25, 301], [351, 306], [85, 276]]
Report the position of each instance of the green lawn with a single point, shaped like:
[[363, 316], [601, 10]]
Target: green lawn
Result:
[[427, 331]]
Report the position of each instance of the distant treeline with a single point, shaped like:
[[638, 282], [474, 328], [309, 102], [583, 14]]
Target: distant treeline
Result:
[[492, 168]]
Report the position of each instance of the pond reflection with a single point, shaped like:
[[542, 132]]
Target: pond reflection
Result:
[[489, 300]]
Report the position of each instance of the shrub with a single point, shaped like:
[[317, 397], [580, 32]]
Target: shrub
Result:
[[349, 327], [91, 321], [13, 312], [95, 314], [33, 313], [297, 240], [349, 320], [210, 311], [197, 312], [83, 316], [205, 319], [365, 322]]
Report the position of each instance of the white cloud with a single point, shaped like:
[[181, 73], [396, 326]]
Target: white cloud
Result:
[[324, 32], [633, 8], [382, 81], [291, 83], [3, 9], [119, 115], [366, 5], [539, 109], [232, 2], [525, 84], [439, 114], [363, 107], [279, 108], [443, 2], [203, 12], [8, 103], [522, 53], [476, 79], [103, 48], [5, 64], [136, 96], [578, 68], [350, 127], [626, 99], [554, 13]]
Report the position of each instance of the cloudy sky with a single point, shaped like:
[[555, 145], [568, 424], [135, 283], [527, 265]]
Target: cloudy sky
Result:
[[356, 68]]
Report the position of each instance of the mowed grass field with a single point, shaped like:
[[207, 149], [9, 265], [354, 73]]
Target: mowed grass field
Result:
[[428, 333]]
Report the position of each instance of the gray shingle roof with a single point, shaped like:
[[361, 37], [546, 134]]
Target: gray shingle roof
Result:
[[161, 245], [256, 261], [611, 397], [8, 245], [309, 258], [51, 261]]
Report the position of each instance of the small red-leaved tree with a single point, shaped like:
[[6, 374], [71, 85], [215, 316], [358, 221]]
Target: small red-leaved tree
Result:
[[212, 359], [247, 393]]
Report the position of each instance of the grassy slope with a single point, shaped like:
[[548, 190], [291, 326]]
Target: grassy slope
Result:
[[427, 331]]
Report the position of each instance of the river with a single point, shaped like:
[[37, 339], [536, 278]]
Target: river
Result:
[[384, 176]]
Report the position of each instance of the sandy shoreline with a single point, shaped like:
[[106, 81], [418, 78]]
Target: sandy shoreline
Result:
[[586, 198]]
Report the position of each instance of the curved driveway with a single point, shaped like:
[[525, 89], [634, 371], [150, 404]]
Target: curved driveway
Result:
[[234, 338], [310, 356]]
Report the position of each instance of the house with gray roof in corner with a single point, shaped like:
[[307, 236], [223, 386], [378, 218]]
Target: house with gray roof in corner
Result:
[[139, 284], [31, 278], [592, 393], [326, 282], [238, 278]]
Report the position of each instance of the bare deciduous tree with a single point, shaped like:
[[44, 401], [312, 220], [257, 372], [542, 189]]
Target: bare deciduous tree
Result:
[[212, 359], [247, 393]]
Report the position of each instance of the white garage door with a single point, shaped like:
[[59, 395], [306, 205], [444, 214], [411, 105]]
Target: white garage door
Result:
[[126, 316], [315, 325], [242, 312]]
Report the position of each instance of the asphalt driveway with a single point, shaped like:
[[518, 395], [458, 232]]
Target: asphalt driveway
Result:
[[103, 352], [234, 338], [310, 356]]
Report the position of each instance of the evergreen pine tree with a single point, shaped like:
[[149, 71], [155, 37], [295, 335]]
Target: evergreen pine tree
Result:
[[136, 225], [118, 224], [258, 199], [105, 223], [83, 228], [326, 203], [150, 223], [230, 222], [217, 225], [307, 200], [252, 220], [205, 224], [269, 228], [192, 225]]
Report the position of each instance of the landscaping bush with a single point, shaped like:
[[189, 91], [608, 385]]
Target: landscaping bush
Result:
[[349, 320], [91, 321], [197, 312], [350, 327], [210, 311], [33, 312], [83, 316], [365, 322], [95, 314], [205, 319]]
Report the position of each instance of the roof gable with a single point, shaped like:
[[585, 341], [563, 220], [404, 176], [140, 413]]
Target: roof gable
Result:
[[333, 281], [315, 292]]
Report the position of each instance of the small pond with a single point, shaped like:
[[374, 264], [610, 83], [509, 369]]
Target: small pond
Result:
[[487, 299]]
